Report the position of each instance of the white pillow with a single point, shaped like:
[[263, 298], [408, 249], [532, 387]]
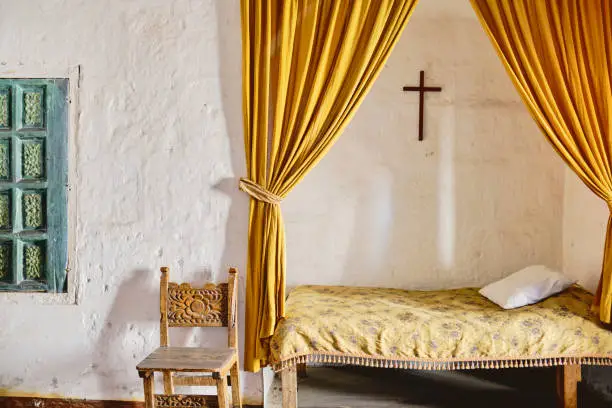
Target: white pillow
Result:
[[527, 286]]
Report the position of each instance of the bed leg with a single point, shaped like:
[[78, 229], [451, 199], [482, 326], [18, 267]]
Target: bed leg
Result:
[[289, 387], [567, 385], [301, 370]]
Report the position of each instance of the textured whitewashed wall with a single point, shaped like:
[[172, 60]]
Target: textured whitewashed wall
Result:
[[584, 230], [160, 147], [479, 198]]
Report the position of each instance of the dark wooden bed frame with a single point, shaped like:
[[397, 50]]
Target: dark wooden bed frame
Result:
[[568, 377]]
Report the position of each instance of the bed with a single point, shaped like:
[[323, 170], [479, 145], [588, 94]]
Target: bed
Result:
[[436, 330]]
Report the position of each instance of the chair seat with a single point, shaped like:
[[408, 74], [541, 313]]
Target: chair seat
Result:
[[189, 359]]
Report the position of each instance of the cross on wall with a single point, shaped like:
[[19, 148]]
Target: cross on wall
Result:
[[421, 89]]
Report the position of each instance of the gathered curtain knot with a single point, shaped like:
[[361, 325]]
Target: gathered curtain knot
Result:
[[258, 192]]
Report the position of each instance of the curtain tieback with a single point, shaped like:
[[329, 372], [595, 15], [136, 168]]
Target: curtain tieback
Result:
[[258, 192]]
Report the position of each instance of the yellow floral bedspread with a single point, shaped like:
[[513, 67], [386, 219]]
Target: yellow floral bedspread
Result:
[[390, 327]]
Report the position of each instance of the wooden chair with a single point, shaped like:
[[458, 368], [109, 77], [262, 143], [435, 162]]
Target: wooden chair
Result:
[[185, 306]]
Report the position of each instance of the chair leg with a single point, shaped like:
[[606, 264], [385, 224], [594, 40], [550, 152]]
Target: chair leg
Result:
[[222, 390], [168, 383], [148, 390], [235, 376]]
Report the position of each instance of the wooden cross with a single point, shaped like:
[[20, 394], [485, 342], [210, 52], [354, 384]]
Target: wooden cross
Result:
[[422, 89]]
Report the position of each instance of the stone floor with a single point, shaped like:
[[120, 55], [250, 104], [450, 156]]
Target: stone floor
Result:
[[352, 387]]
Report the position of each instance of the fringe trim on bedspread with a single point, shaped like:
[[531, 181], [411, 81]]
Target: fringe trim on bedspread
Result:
[[425, 364]]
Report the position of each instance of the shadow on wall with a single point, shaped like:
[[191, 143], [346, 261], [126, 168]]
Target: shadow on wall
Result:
[[448, 217], [230, 71], [383, 247], [230, 75], [127, 326]]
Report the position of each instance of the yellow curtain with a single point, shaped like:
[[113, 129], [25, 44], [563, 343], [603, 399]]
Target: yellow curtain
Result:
[[307, 65], [559, 55]]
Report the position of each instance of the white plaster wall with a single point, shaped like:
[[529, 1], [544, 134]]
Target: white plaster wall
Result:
[[480, 198], [158, 150], [584, 231], [160, 146]]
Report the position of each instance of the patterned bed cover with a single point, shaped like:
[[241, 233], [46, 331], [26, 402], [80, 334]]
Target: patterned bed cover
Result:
[[446, 329]]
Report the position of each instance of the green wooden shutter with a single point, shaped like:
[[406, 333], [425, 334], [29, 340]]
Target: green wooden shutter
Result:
[[33, 184]]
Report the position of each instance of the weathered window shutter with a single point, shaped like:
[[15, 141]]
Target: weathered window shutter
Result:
[[33, 184]]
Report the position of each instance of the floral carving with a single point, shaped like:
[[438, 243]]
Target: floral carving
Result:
[[4, 110], [188, 306], [182, 401], [5, 211], [4, 161], [33, 262], [5, 261], [33, 210], [33, 112], [32, 160]]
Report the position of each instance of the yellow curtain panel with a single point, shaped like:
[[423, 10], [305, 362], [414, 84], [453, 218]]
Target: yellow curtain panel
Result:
[[559, 56], [307, 65]]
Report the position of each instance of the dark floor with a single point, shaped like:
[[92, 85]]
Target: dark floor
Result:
[[353, 387]]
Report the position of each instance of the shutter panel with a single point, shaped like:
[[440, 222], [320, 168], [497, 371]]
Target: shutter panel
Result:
[[33, 183]]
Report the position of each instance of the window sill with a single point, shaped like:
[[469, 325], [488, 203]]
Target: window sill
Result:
[[43, 298]]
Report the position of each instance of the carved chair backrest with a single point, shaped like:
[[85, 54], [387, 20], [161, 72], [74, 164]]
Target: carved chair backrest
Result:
[[182, 305]]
